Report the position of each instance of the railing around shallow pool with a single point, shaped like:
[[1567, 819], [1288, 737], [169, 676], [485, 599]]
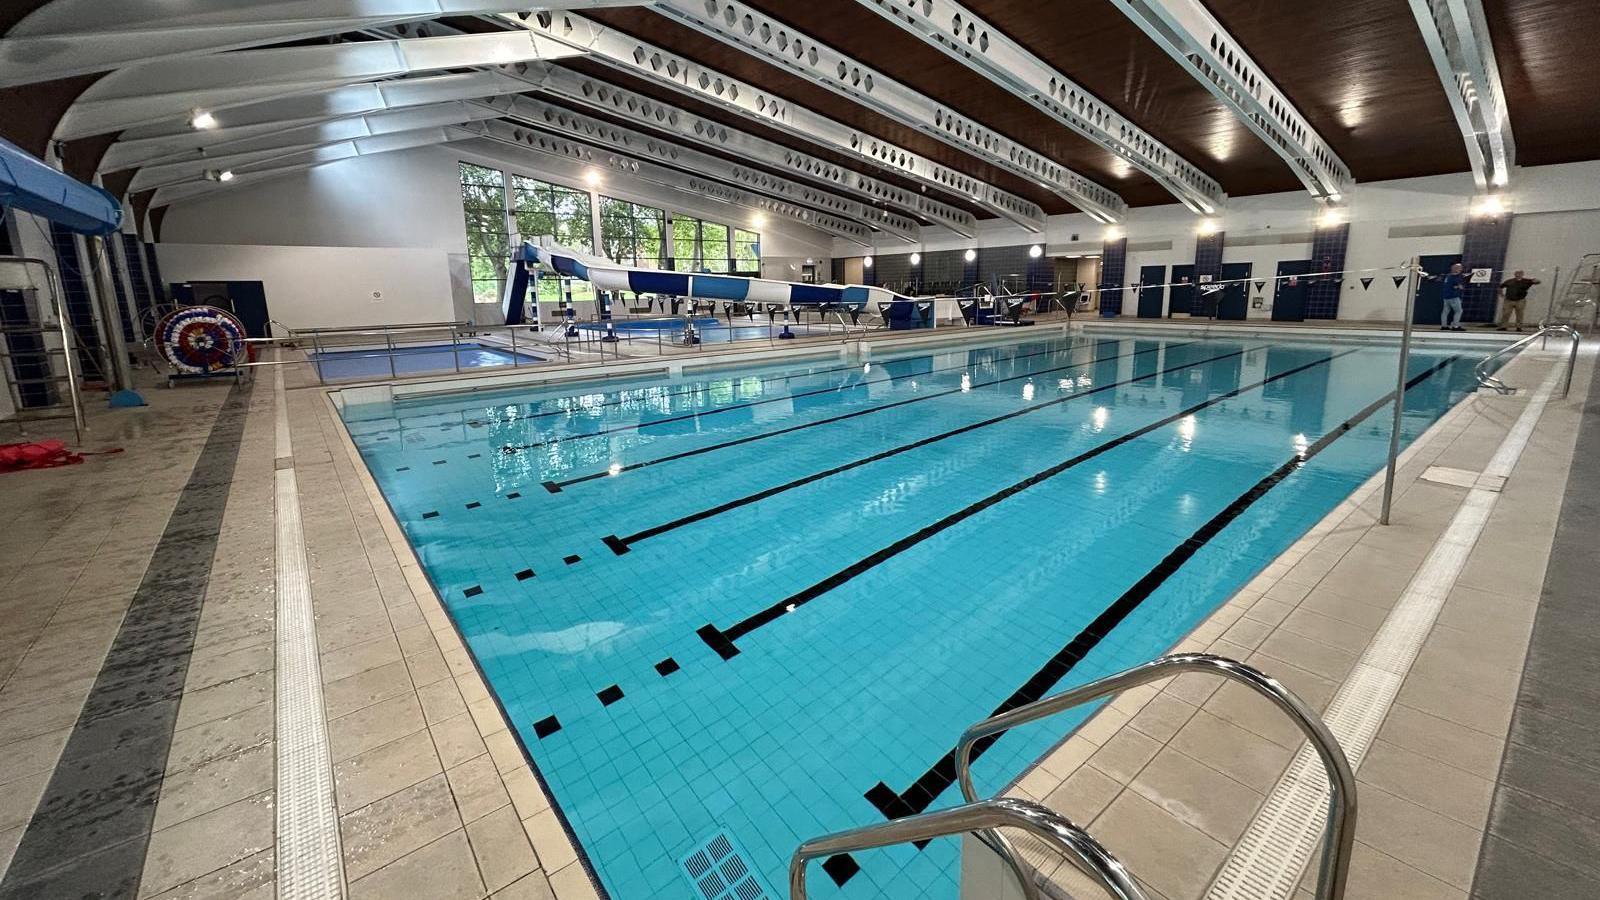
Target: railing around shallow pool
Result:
[[981, 817], [1488, 379]]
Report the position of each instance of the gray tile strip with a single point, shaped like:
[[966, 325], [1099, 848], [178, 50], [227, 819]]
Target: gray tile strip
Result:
[[1544, 823], [87, 838]]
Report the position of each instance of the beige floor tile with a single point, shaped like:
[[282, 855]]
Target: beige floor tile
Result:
[[501, 847], [477, 788], [1461, 697], [250, 878], [225, 699], [1162, 717], [1198, 795], [205, 843], [1438, 846], [382, 832], [572, 883], [1179, 861], [1313, 656], [357, 658], [441, 700], [1329, 630], [442, 870], [1245, 757], [1084, 795], [1441, 739], [1429, 783], [381, 771], [1347, 609], [1124, 754], [358, 691], [549, 841], [533, 886], [215, 784], [457, 740], [373, 726], [221, 737]]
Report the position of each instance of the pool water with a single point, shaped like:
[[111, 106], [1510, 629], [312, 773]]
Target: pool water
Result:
[[712, 331], [349, 365], [766, 602]]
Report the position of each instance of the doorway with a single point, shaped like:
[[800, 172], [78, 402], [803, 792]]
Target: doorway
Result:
[[1181, 297], [1152, 291], [1233, 301], [1289, 292], [1429, 309], [247, 300]]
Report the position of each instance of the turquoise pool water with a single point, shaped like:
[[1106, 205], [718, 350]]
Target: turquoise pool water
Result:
[[766, 602], [374, 362]]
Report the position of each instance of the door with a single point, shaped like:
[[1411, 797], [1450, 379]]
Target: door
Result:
[[250, 305], [1233, 301], [1430, 294], [1152, 291], [1289, 292], [1181, 296]]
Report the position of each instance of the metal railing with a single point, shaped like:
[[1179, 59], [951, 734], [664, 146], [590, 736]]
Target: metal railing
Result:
[[977, 818], [1341, 780], [1488, 379]]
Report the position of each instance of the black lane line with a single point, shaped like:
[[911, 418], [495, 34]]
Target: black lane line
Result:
[[621, 545], [555, 487], [722, 640], [942, 774], [511, 449], [89, 834]]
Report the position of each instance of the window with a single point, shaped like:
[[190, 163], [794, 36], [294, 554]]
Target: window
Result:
[[746, 252], [483, 201], [699, 246], [562, 212], [631, 234]]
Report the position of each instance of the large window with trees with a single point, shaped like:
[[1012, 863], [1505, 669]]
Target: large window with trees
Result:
[[746, 252], [483, 201], [632, 234], [699, 246], [545, 208]]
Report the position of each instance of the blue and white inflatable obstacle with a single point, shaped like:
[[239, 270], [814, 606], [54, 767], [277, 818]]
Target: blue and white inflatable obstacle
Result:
[[606, 275]]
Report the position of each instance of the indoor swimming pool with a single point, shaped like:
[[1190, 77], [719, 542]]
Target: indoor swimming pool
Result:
[[762, 604], [376, 362]]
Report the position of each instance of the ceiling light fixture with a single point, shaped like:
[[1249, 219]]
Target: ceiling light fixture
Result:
[[916, 259], [1035, 251], [202, 120], [970, 255]]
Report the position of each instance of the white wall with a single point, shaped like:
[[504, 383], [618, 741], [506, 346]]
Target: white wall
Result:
[[1557, 219]]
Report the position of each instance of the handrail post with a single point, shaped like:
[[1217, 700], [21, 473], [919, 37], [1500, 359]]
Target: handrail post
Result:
[[1572, 363], [388, 347], [455, 348], [1400, 391]]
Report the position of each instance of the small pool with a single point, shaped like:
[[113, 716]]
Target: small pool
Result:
[[763, 604], [712, 331], [354, 365]]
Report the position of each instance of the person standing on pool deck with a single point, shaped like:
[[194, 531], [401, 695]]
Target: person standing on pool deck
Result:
[[1453, 281], [1515, 290]]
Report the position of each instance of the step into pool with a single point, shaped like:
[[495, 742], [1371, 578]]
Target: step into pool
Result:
[[762, 604]]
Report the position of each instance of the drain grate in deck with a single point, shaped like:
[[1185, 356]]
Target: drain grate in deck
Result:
[[720, 869]]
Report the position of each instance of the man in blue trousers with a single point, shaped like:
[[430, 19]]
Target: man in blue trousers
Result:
[[1450, 317]]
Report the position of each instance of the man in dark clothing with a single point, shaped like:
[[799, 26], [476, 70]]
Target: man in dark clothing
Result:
[[1515, 290], [1453, 282]]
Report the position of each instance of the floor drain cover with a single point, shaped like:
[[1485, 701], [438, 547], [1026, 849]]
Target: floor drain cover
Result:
[[720, 869]]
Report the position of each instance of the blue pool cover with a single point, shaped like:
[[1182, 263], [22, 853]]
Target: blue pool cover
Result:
[[765, 603]]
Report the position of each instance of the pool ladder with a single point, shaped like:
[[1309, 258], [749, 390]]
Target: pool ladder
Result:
[[1487, 379], [981, 818]]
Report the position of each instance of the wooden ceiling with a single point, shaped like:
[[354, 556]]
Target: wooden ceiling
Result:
[[1550, 67]]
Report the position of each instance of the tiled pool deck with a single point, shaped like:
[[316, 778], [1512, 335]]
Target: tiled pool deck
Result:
[[435, 798]]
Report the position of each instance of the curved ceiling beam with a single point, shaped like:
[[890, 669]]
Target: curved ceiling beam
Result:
[[1457, 35], [760, 35], [564, 122], [968, 39], [243, 155], [307, 159], [76, 37], [1188, 32], [172, 141], [154, 92], [538, 141], [648, 61], [606, 97]]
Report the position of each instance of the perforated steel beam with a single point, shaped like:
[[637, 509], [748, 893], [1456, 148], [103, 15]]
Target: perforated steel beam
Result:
[[648, 61], [602, 95], [1188, 32], [243, 156], [968, 39], [539, 141], [567, 123], [309, 159], [236, 127], [170, 89], [758, 34], [1457, 35]]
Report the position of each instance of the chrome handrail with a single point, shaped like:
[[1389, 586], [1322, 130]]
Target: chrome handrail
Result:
[[1488, 380], [1341, 780], [982, 816]]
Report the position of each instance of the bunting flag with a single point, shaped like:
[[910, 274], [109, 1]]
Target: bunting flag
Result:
[[1260, 285], [1399, 280], [1366, 283]]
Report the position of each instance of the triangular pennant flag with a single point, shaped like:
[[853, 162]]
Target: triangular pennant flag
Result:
[[1399, 280], [1260, 285], [1366, 282]]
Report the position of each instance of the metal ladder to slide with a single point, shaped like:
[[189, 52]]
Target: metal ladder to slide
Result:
[[981, 817], [1581, 300], [46, 350]]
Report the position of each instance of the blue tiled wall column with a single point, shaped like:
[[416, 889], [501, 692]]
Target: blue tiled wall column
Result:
[[969, 270], [1208, 256], [1113, 272], [1484, 248], [1328, 247]]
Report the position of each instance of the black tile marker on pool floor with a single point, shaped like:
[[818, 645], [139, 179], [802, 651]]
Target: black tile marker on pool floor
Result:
[[942, 774], [555, 487], [512, 449], [722, 640], [621, 545]]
